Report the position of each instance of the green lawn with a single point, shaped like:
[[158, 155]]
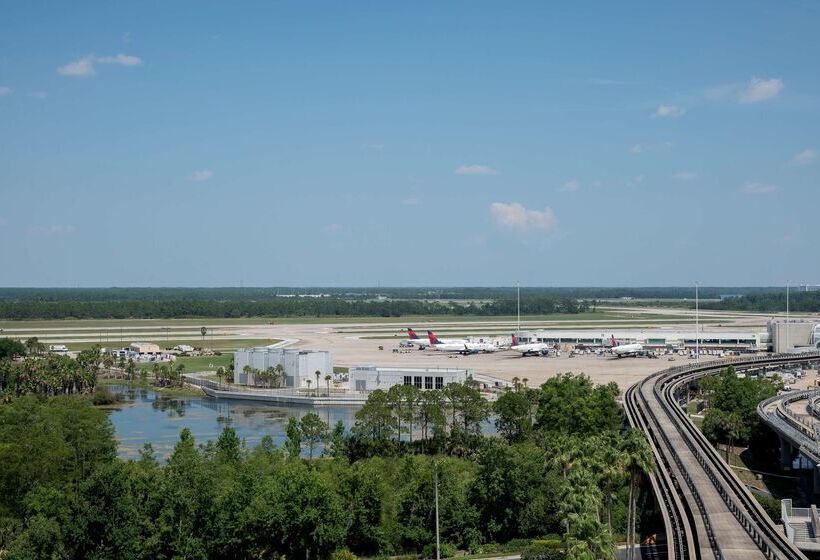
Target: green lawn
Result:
[[194, 364]]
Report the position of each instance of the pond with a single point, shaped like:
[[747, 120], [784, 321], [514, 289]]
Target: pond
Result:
[[149, 417]]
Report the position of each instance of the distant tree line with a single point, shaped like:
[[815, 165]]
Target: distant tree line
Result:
[[808, 302], [97, 295], [279, 307]]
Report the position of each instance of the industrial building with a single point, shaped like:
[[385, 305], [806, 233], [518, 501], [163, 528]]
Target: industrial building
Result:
[[370, 378], [144, 348], [300, 366], [657, 339], [794, 335]]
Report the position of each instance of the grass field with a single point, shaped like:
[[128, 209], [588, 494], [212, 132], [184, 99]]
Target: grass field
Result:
[[222, 345], [113, 324]]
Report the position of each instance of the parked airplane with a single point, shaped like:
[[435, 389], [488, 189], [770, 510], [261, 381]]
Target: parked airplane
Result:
[[462, 347], [531, 349], [625, 350], [415, 340], [432, 336]]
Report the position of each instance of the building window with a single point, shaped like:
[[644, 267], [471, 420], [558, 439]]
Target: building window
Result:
[[408, 380], [417, 382], [428, 382], [439, 383]]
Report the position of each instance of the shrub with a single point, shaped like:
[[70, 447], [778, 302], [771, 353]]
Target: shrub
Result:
[[104, 396], [447, 550], [343, 554]]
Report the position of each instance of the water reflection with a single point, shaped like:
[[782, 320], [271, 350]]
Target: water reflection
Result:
[[149, 417]]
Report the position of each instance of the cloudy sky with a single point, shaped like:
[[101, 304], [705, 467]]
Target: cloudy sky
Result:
[[413, 143]]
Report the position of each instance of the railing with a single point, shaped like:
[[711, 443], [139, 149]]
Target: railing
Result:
[[738, 500]]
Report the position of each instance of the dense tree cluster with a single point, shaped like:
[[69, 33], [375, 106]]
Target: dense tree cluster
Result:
[[49, 374], [731, 413], [570, 487]]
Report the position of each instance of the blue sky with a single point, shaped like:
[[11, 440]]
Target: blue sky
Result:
[[413, 143]]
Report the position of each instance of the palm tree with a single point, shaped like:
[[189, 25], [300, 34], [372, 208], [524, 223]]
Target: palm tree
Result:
[[318, 374], [248, 371], [220, 373], [327, 381], [130, 368], [280, 374], [179, 370], [33, 345], [638, 460], [308, 384]]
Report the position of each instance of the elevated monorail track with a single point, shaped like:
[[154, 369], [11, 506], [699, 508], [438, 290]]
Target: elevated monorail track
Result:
[[707, 511]]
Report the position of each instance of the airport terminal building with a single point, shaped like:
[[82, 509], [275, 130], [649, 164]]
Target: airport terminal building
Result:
[[300, 365], [652, 339]]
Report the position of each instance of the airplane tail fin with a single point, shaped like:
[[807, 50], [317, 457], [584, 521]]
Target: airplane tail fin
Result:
[[514, 340], [612, 342], [412, 334], [432, 337]]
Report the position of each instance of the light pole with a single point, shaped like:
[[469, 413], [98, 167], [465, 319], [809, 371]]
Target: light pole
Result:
[[518, 290], [697, 323], [787, 316], [438, 544]]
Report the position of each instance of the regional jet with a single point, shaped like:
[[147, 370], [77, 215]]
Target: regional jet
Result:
[[531, 349], [460, 346], [625, 350]]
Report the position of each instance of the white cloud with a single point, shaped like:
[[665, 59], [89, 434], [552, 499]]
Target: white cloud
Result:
[[638, 179], [333, 228], [760, 90], [636, 149], [596, 183], [669, 111], [571, 186], [81, 67], [201, 175], [803, 158], [411, 201], [85, 66], [475, 170], [39, 94], [5, 91], [758, 188], [120, 59], [513, 215], [51, 231], [372, 147], [685, 176]]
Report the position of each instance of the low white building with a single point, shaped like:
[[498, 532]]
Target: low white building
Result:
[[659, 339], [370, 378], [300, 366]]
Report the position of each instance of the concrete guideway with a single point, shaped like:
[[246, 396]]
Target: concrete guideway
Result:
[[707, 511]]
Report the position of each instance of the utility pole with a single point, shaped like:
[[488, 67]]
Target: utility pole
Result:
[[438, 544], [697, 323]]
